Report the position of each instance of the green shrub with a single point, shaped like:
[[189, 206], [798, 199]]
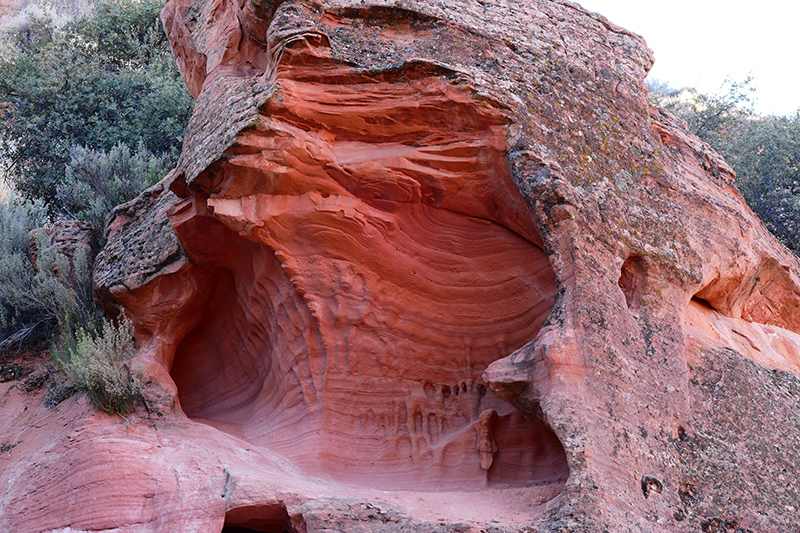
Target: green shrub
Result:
[[712, 117], [99, 365], [23, 309], [17, 218], [767, 162], [39, 298], [50, 299], [96, 181]]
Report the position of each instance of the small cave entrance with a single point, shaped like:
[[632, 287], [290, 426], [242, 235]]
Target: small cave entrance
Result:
[[702, 303], [526, 452], [632, 281], [261, 519]]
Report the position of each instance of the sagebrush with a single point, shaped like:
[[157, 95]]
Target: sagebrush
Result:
[[36, 298], [96, 181], [99, 364]]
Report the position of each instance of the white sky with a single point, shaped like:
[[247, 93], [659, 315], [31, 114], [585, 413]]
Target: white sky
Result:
[[698, 42]]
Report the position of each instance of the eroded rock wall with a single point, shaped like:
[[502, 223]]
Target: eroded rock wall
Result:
[[432, 267]]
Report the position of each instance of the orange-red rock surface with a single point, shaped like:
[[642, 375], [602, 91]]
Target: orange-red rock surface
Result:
[[428, 266]]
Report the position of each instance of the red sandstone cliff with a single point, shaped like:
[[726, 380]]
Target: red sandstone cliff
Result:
[[430, 266]]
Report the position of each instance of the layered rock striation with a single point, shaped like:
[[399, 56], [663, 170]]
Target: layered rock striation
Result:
[[430, 266]]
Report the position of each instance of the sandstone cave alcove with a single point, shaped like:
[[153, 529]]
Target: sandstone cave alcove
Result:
[[370, 373]]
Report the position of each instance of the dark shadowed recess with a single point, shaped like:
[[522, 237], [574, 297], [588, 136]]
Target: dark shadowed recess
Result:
[[631, 281], [240, 529], [260, 519]]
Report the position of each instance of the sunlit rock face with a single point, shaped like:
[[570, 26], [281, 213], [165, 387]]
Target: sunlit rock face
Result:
[[435, 267]]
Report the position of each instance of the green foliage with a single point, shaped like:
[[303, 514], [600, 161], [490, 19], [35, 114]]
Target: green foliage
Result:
[[766, 155], [99, 365], [127, 33], [24, 309], [709, 116], [76, 97], [95, 181], [17, 218], [101, 80], [50, 299], [764, 151], [39, 297], [35, 299]]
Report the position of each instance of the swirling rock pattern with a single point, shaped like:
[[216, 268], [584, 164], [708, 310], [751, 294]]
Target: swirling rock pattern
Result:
[[429, 266], [377, 259]]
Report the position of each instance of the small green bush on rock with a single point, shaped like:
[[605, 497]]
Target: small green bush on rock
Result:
[[99, 365]]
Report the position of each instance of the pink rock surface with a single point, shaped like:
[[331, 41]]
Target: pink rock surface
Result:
[[429, 267], [9, 8]]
